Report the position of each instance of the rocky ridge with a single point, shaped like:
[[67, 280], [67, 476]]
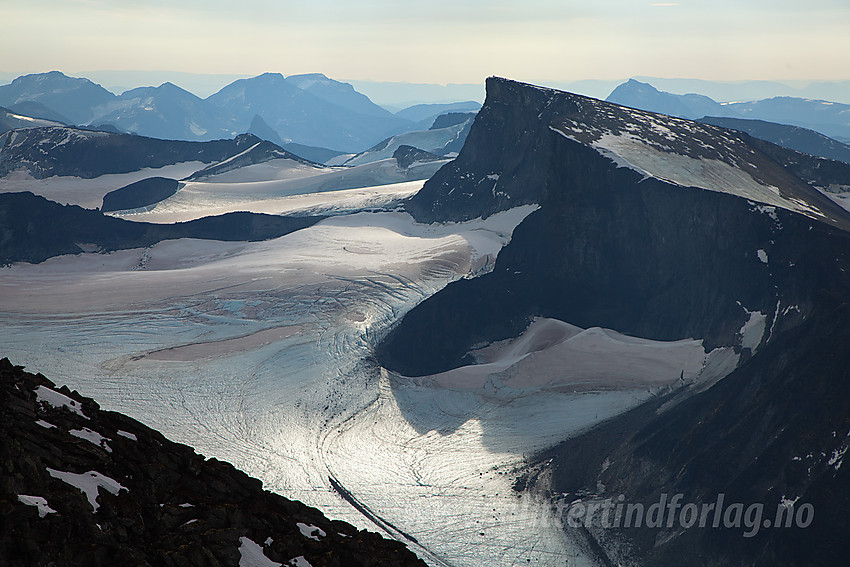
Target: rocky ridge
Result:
[[84, 486]]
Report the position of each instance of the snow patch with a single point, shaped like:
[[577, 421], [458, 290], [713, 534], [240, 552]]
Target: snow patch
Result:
[[128, 435], [45, 424], [58, 400], [251, 555], [38, 502], [752, 330], [89, 483], [837, 458], [555, 354], [92, 437], [787, 503], [311, 531]]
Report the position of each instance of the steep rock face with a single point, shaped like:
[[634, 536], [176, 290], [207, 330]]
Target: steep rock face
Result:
[[612, 246], [492, 172], [44, 152], [81, 486]]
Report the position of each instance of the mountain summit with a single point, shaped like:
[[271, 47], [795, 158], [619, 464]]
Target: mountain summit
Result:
[[662, 229]]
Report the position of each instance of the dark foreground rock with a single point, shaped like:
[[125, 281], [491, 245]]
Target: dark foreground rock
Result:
[[149, 501]]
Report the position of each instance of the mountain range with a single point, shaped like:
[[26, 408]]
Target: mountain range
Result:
[[309, 110], [829, 118]]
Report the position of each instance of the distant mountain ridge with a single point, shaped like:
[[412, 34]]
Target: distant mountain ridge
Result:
[[792, 137], [829, 118], [309, 110]]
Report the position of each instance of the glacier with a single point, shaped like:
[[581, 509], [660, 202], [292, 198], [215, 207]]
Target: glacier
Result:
[[259, 354]]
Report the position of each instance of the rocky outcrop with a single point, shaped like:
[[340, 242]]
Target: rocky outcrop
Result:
[[407, 155], [83, 486], [140, 194], [450, 119], [35, 229]]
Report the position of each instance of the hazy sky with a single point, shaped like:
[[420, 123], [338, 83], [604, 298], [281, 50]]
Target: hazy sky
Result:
[[436, 41]]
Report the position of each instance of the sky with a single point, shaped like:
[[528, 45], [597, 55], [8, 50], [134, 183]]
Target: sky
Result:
[[434, 41]]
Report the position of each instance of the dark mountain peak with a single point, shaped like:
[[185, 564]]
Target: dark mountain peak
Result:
[[611, 182], [261, 129], [451, 119], [255, 151], [246, 139], [650, 145], [406, 155]]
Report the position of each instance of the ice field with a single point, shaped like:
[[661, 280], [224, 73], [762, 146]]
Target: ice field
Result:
[[258, 354]]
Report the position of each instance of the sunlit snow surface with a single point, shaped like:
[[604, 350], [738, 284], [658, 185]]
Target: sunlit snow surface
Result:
[[284, 186], [257, 353], [89, 193]]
